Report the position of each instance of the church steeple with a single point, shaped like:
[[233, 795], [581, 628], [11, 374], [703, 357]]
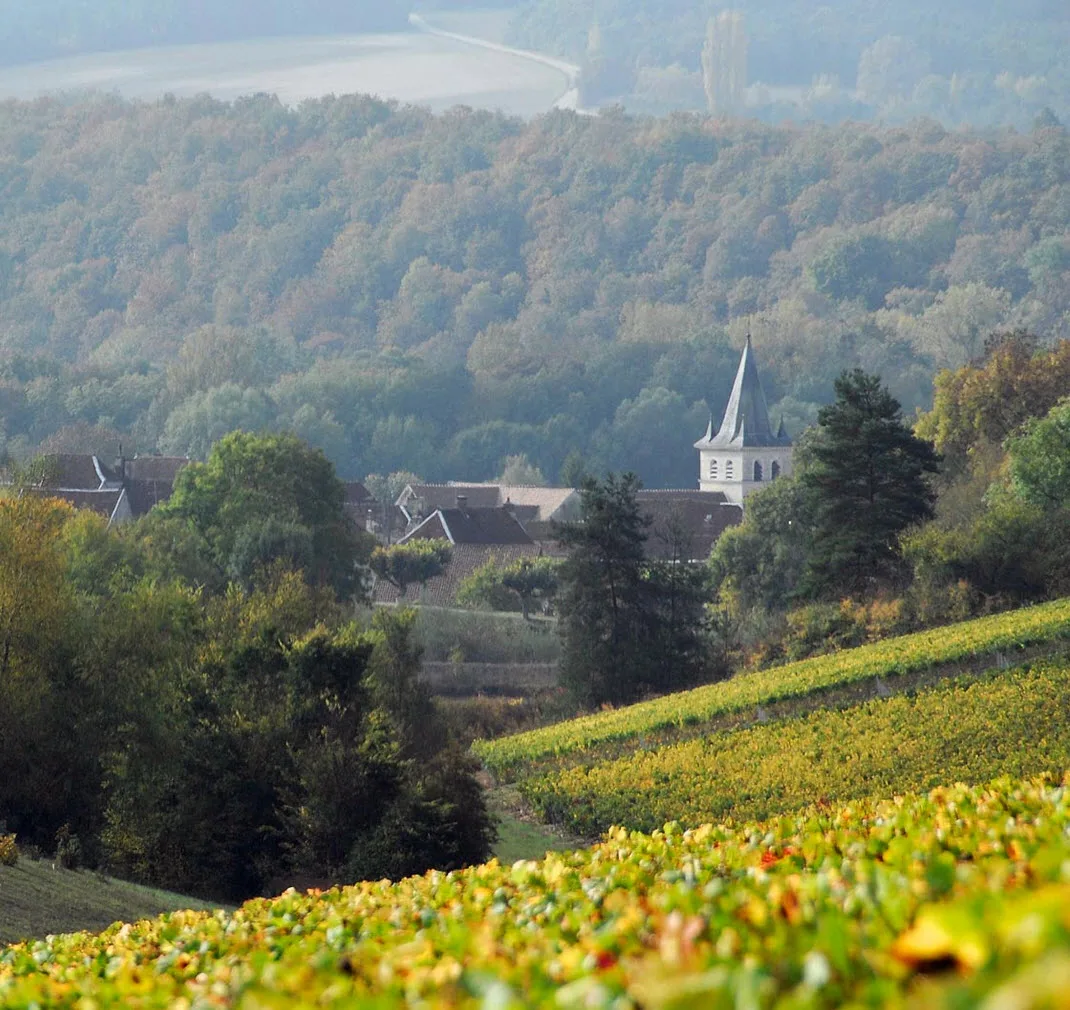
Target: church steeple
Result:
[[745, 452], [746, 418]]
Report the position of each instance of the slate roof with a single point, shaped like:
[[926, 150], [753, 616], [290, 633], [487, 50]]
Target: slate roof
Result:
[[159, 468], [488, 526], [746, 418], [357, 495], [441, 591], [103, 502], [144, 494], [701, 515], [72, 470]]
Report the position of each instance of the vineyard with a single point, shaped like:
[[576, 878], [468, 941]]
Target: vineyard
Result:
[[1014, 723], [743, 698], [936, 900]]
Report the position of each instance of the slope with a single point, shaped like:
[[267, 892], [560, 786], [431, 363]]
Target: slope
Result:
[[36, 900], [841, 678]]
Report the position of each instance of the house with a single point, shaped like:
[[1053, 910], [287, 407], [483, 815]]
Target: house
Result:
[[745, 452], [123, 490], [476, 536], [528, 504]]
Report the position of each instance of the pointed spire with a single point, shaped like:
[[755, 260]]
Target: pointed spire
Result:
[[746, 418], [708, 437]]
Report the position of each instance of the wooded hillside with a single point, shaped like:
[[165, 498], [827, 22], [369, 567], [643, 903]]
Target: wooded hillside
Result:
[[436, 293]]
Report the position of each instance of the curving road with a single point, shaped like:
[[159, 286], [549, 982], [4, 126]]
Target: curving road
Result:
[[569, 100]]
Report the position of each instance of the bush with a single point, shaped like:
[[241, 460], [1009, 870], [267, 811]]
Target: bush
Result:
[[9, 851], [68, 849]]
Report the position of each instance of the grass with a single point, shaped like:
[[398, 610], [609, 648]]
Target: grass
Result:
[[36, 900], [520, 835]]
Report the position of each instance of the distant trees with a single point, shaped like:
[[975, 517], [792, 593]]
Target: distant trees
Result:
[[414, 562], [1040, 459], [516, 586], [446, 302]]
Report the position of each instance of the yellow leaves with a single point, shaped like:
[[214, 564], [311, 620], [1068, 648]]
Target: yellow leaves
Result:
[[1013, 723], [685, 714], [935, 944], [805, 911]]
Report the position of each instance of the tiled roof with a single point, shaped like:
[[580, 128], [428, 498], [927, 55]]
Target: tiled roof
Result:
[[472, 526], [163, 468], [71, 470], [529, 503], [702, 518], [144, 494], [437, 496], [356, 494], [441, 591], [546, 500], [101, 502]]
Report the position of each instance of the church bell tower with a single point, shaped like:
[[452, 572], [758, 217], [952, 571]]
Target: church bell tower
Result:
[[744, 454]]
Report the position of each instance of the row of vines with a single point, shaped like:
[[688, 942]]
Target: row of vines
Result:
[[695, 712], [1014, 723], [935, 900]]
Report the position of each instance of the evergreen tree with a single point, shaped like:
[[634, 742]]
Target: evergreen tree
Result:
[[867, 481], [630, 626]]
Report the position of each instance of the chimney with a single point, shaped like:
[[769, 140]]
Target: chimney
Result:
[[462, 501]]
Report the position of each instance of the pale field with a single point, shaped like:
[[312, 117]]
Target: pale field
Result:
[[413, 68]]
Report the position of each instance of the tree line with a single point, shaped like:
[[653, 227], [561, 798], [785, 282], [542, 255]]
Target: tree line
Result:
[[188, 701], [440, 293], [849, 59]]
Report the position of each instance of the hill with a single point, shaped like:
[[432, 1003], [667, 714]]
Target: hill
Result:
[[937, 901], [1009, 723], [435, 293], [841, 678], [37, 899]]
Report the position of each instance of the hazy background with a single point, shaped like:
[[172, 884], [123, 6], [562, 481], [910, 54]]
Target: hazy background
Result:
[[993, 63]]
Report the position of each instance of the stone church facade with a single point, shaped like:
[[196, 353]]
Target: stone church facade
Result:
[[745, 453]]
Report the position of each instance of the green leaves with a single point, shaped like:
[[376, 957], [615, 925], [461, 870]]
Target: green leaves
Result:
[[779, 914]]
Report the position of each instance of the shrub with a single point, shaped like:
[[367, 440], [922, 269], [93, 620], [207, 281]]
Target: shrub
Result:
[[9, 851], [68, 849]]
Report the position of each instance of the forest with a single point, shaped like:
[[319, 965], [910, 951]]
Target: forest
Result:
[[434, 294]]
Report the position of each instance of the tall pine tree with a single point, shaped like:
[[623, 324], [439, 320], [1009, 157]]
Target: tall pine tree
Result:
[[867, 480], [630, 626]]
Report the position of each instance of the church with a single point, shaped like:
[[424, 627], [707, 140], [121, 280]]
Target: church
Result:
[[744, 454]]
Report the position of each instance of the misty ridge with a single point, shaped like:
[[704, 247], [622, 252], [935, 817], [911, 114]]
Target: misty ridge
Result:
[[998, 63]]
